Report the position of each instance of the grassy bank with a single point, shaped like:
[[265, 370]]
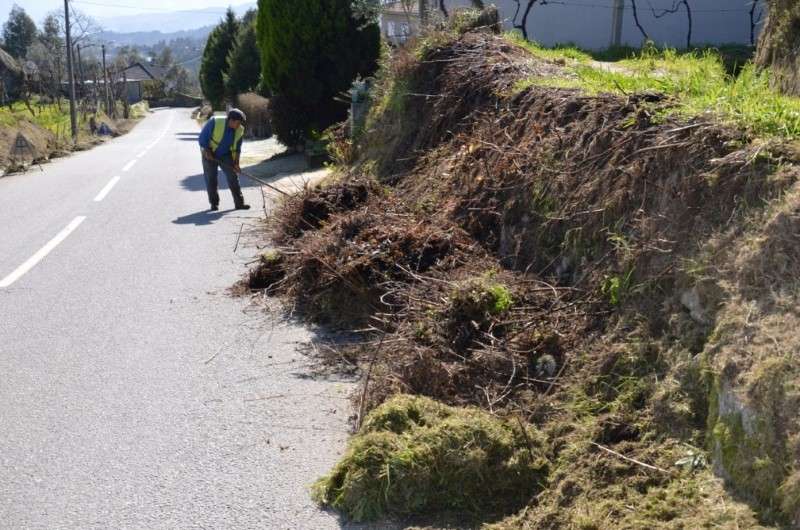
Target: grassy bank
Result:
[[698, 81]]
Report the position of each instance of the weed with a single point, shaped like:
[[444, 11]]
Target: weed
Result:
[[616, 288], [501, 299]]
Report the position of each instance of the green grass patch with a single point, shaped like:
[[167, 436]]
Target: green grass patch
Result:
[[698, 80], [416, 456], [47, 116], [559, 53]]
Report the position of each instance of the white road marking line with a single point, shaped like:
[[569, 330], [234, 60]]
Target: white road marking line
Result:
[[40, 255], [104, 191], [140, 155], [129, 165]]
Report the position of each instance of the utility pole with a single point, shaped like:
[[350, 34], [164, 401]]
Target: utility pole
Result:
[[73, 120], [616, 23], [105, 81], [125, 102], [81, 92]]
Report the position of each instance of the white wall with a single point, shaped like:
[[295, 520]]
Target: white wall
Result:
[[587, 23]]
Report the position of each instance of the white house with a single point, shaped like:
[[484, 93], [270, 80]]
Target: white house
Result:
[[399, 19]]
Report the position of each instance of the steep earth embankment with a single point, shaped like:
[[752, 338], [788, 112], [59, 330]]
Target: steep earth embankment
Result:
[[616, 288]]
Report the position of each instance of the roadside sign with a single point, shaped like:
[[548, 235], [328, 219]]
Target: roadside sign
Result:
[[22, 153], [21, 143]]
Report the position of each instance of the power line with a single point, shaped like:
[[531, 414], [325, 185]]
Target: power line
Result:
[[189, 61]]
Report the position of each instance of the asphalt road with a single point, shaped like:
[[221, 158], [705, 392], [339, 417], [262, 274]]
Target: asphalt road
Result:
[[134, 391]]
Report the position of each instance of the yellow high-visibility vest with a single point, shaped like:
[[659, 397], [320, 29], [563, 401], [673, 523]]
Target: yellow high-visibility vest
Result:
[[220, 123]]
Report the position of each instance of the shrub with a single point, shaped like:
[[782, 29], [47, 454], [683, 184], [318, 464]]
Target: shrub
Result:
[[257, 109]]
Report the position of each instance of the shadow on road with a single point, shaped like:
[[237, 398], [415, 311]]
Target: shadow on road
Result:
[[268, 170], [206, 217], [198, 182]]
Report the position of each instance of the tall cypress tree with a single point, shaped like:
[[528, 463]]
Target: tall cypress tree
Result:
[[214, 65], [244, 64], [311, 50]]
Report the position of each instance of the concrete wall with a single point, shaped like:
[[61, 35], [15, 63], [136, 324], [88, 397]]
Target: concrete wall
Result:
[[588, 23]]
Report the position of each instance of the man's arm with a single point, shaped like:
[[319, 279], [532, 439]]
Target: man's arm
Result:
[[237, 155], [205, 139]]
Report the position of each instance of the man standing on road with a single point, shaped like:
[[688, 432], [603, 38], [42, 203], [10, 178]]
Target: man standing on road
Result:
[[221, 142]]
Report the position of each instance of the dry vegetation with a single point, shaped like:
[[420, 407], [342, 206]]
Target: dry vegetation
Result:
[[618, 281]]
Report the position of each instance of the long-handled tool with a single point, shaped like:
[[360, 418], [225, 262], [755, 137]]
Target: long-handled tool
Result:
[[252, 177]]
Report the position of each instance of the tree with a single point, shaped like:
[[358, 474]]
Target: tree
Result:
[[19, 32], [214, 65], [244, 63], [126, 56], [183, 83], [165, 58], [48, 55], [779, 45], [311, 50]]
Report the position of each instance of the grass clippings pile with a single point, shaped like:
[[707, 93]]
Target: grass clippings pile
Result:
[[615, 274], [413, 455]]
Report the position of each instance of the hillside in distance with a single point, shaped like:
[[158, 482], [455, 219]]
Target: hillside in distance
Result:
[[170, 22], [151, 38]]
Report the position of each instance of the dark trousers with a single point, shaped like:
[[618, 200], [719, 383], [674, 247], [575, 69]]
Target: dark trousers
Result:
[[211, 173]]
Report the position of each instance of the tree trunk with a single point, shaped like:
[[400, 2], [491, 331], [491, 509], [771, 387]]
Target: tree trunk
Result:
[[779, 45]]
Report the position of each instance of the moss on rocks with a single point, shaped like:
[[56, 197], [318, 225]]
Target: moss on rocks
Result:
[[745, 435]]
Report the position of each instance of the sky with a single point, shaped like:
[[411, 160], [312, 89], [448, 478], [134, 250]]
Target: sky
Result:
[[37, 9]]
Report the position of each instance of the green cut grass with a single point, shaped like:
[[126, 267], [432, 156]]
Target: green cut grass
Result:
[[47, 116], [697, 81], [416, 456]]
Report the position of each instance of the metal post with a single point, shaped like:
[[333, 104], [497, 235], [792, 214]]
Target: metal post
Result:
[[73, 120], [105, 82], [616, 23]]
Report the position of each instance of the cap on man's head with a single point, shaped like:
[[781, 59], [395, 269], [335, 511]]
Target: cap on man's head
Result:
[[236, 114]]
